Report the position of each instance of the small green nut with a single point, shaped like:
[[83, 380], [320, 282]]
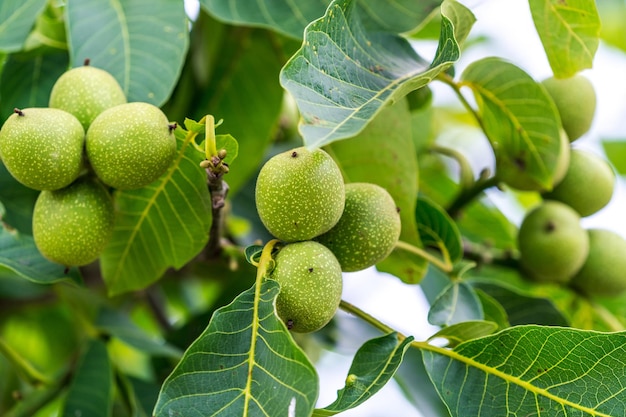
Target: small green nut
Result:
[[72, 226], [130, 145], [587, 185], [300, 194], [602, 274], [42, 147], [552, 243], [86, 92], [575, 99], [310, 285], [368, 229]]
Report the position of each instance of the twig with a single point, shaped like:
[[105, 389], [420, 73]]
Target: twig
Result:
[[445, 267]]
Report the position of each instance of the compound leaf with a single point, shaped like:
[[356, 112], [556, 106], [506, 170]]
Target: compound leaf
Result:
[[532, 371], [343, 75], [162, 225], [142, 43], [244, 364], [569, 31]]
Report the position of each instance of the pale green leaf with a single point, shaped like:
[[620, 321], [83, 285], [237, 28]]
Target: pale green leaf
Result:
[[615, 151], [142, 43], [457, 303], [162, 225], [244, 364], [386, 146], [19, 255], [467, 330], [520, 120], [437, 229], [569, 31], [91, 391], [228, 143], [533, 371], [17, 18], [373, 366], [343, 75]]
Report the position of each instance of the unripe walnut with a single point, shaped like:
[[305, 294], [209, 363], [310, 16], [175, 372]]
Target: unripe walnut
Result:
[[603, 271], [300, 194], [552, 243], [368, 229], [575, 99], [310, 285], [587, 185]]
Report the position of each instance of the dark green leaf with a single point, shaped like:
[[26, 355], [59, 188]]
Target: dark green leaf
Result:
[[385, 146], [467, 330], [417, 387], [520, 120], [343, 76], [253, 253], [437, 229], [27, 79], [373, 366], [18, 202], [523, 309], [569, 31], [244, 364], [532, 371], [162, 225], [91, 390], [493, 310], [395, 16], [616, 153], [115, 323], [19, 255], [284, 16], [17, 18], [133, 40], [457, 303]]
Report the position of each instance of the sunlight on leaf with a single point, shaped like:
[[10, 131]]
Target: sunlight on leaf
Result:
[[244, 364], [343, 75], [533, 371], [569, 31], [159, 226]]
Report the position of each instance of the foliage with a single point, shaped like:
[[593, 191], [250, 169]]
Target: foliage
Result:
[[177, 317]]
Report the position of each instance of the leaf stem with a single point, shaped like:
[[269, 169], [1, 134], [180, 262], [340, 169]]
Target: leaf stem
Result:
[[447, 79], [373, 321], [465, 196], [444, 266]]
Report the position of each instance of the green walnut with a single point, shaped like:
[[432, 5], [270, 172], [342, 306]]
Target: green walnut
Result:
[[71, 226], [368, 229], [513, 172], [42, 147], [130, 145], [575, 99], [588, 183], [552, 243], [310, 285], [602, 273], [86, 92], [300, 194]]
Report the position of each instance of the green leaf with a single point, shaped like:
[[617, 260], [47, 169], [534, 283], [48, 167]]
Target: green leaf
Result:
[[253, 253], [492, 309], [19, 255], [373, 366], [91, 391], [521, 308], [162, 225], [467, 330], [245, 363], [616, 153], [397, 16], [283, 16], [520, 120], [133, 40], [115, 323], [27, 79], [437, 229], [18, 201], [569, 31], [49, 30], [457, 303], [532, 371], [343, 76], [231, 146], [385, 146], [17, 18]]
